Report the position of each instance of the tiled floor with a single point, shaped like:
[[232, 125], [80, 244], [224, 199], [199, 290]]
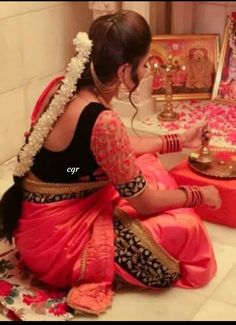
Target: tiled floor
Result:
[[216, 301]]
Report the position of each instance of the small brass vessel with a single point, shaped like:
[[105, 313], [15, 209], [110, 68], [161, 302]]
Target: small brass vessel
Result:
[[205, 156]]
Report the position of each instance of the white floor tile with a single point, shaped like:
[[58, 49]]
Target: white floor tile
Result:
[[214, 310], [3, 319], [221, 234], [226, 292], [152, 306], [226, 259]]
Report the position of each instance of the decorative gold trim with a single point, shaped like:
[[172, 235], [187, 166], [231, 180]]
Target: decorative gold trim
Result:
[[215, 169], [178, 97], [84, 311], [79, 310], [83, 264], [39, 187], [220, 66], [146, 239]]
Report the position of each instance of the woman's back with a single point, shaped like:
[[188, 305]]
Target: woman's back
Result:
[[66, 156]]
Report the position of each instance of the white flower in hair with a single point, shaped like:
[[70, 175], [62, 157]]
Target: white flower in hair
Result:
[[57, 106], [82, 43]]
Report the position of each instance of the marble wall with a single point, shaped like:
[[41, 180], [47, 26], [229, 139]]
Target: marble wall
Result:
[[182, 17], [200, 16], [211, 16], [36, 45]]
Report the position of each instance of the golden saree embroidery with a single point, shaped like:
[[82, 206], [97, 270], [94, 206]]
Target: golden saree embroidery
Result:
[[41, 192], [140, 255]]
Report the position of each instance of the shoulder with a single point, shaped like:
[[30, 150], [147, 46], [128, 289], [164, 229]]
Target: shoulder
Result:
[[79, 109], [109, 118], [109, 129]]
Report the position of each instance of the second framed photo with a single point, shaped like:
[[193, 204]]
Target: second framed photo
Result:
[[192, 60], [224, 89]]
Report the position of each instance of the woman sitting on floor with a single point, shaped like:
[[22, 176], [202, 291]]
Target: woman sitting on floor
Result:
[[89, 203]]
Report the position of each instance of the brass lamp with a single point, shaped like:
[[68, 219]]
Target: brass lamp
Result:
[[168, 114], [205, 156]]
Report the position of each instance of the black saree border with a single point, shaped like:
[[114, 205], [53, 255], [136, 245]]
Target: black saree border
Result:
[[161, 268]]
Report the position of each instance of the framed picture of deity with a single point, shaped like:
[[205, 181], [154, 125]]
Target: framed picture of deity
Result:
[[224, 89], [184, 65]]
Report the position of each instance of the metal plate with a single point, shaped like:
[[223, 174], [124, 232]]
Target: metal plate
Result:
[[223, 165]]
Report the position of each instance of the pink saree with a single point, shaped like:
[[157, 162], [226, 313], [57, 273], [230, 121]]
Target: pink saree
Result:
[[71, 243]]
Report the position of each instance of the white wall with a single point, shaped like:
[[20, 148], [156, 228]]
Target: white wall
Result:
[[183, 17], [158, 17], [142, 7], [211, 16], [200, 16], [36, 44]]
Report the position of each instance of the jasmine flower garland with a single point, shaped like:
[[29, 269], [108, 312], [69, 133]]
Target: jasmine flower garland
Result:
[[57, 106]]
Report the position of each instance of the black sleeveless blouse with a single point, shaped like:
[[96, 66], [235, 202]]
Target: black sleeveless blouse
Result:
[[77, 161]]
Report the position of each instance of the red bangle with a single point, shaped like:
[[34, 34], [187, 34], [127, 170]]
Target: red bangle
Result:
[[171, 143], [194, 195]]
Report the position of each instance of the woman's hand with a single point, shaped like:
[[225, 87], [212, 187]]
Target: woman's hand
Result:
[[211, 196], [193, 137]]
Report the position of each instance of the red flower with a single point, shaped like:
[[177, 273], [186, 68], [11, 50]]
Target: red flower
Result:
[[12, 315], [5, 288], [193, 101], [223, 156], [40, 296], [59, 309]]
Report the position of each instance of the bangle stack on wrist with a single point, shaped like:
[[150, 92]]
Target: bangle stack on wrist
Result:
[[171, 143], [194, 194]]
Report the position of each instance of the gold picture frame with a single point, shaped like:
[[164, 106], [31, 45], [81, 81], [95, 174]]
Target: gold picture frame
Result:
[[224, 90], [196, 57]]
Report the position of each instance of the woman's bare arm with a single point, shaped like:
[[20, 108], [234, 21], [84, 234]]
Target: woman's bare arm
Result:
[[153, 201], [146, 144]]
